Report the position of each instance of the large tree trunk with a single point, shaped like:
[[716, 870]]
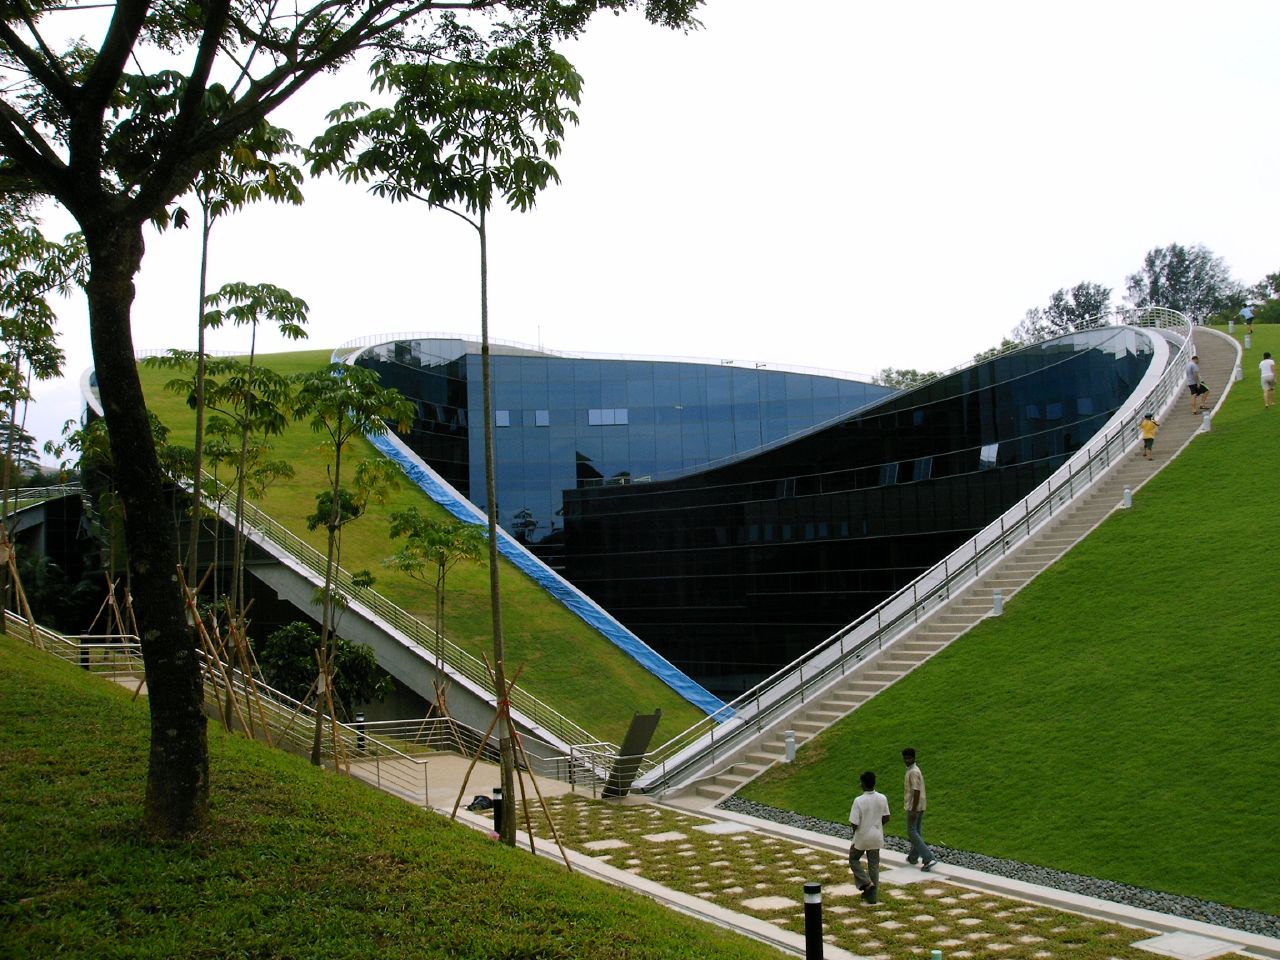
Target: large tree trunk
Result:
[[177, 799]]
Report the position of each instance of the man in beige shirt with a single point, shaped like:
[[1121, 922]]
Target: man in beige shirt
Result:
[[914, 802]]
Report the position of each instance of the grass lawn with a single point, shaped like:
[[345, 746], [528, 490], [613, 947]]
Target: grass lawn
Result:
[[566, 663], [1121, 719], [296, 862]]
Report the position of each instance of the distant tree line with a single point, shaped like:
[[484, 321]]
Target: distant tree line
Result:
[[1192, 280]]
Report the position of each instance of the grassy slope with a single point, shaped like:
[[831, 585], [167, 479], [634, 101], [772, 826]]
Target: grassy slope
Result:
[[566, 663], [295, 863], [1121, 719]]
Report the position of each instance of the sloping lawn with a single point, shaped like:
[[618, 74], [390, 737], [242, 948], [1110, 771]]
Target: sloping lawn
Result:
[[566, 663], [1121, 720], [296, 862]]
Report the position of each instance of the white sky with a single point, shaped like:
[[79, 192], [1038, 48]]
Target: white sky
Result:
[[832, 184]]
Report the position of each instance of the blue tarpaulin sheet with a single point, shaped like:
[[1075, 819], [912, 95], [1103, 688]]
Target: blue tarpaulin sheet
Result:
[[443, 494]]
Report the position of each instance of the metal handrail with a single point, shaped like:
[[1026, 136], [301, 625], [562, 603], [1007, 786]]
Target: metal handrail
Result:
[[377, 744], [752, 712], [455, 657]]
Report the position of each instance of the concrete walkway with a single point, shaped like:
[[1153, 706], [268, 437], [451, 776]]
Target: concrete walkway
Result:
[[748, 875]]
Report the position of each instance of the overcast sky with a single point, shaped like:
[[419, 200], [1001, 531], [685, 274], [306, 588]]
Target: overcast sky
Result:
[[830, 184]]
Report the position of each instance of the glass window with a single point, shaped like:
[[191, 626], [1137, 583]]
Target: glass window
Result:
[[988, 456], [502, 418], [542, 418]]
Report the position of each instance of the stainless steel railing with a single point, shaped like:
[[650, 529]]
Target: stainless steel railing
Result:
[[683, 756], [267, 531], [392, 755]]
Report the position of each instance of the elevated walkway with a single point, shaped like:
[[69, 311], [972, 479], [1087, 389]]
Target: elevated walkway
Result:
[[970, 605]]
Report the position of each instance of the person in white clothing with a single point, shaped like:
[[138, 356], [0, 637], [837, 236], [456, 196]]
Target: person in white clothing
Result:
[[1268, 370], [869, 814]]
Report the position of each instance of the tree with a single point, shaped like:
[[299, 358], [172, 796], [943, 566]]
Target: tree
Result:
[[341, 403], [460, 133], [1080, 308], [248, 172], [1190, 280], [31, 269], [433, 546], [902, 379], [246, 401], [288, 661], [115, 148], [990, 353]]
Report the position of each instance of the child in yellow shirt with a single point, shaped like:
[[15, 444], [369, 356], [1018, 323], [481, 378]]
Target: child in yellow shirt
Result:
[[1148, 429]]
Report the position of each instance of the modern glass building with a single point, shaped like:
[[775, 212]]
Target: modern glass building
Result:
[[563, 423], [733, 518]]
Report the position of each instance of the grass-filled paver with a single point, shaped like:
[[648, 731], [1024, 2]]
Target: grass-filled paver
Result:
[[753, 873]]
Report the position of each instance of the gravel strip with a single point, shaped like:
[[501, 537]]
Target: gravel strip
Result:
[[1250, 921]]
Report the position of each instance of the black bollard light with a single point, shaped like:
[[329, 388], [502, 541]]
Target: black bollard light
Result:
[[813, 921], [497, 809], [360, 732]]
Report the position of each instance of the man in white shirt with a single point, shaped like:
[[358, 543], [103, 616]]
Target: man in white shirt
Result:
[[1196, 387], [869, 814], [1268, 370], [914, 802]]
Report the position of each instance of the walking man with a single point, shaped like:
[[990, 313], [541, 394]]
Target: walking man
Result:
[[914, 803], [1197, 388], [869, 814], [1268, 370]]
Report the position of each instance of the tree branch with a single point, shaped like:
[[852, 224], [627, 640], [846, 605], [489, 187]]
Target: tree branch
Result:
[[43, 71], [23, 143]]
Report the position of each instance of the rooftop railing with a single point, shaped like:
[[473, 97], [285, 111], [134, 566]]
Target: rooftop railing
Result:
[[691, 752]]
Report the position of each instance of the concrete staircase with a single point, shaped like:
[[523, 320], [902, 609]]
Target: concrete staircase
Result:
[[975, 602]]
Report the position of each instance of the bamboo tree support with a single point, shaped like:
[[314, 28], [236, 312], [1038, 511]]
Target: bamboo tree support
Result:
[[208, 647], [533, 777], [248, 664], [9, 556], [106, 600], [503, 710], [324, 683]]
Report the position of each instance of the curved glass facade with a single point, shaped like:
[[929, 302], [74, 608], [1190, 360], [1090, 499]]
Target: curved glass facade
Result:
[[734, 571], [563, 423], [733, 518]]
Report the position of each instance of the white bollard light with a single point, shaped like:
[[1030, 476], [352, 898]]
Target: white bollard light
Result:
[[1237, 374], [1231, 326], [789, 738], [997, 603], [1127, 502], [1204, 422], [1248, 341]]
